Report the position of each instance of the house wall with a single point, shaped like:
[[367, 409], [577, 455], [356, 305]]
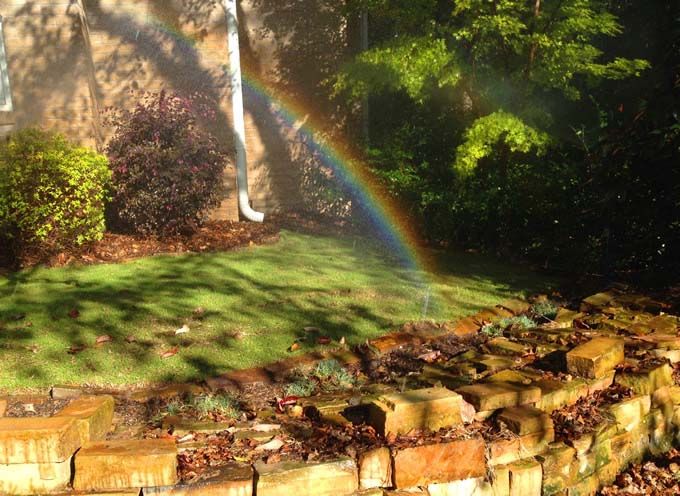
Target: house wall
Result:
[[69, 60]]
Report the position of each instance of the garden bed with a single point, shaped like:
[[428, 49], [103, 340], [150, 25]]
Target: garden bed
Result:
[[214, 236]]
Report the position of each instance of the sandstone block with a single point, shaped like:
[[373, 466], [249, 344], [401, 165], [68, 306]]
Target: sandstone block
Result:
[[525, 419], [516, 306], [595, 358], [499, 485], [444, 462], [37, 440], [230, 480], [646, 382], [65, 392], [504, 451], [431, 408], [526, 478], [34, 478], [607, 473], [336, 478], [503, 346], [375, 468], [109, 465], [629, 413], [93, 414], [557, 467], [587, 486], [495, 395]]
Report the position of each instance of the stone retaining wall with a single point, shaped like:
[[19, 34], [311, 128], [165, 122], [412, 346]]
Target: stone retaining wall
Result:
[[49, 454]]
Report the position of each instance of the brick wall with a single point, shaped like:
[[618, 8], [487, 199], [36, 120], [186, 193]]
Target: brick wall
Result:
[[70, 59]]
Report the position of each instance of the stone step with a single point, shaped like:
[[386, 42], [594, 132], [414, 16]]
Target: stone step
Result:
[[34, 478], [126, 464], [437, 463], [230, 480], [93, 414], [38, 440], [525, 419], [494, 395], [595, 358], [335, 478], [647, 381], [375, 468], [430, 408]]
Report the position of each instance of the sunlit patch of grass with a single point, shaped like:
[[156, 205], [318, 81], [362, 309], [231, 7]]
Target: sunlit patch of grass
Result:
[[256, 303]]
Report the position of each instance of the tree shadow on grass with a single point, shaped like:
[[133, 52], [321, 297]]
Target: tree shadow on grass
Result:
[[256, 304]]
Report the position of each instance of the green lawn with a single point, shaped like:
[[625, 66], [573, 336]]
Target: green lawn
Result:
[[257, 302]]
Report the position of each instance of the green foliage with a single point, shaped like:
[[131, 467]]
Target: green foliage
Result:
[[407, 64], [557, 141], [223, 405], [519, 321], [497, 131], [302, 387], [332, 375], [52, 192], [545, 309], [492, 330]]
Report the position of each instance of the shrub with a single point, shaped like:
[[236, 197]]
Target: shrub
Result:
[[546, 309], [167, 172], [52, 192]]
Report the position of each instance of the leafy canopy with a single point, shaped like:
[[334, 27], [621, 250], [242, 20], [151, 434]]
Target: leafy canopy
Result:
[[511, 62]]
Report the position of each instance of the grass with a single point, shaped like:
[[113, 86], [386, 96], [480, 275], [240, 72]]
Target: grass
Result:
[[256, 304]]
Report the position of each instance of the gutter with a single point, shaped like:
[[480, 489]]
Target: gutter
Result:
[[237, 109]]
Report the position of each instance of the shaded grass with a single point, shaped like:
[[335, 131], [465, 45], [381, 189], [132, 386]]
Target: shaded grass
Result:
[[256, 302]]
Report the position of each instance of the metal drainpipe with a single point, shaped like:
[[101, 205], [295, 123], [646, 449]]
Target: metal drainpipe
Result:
[[237, 109]]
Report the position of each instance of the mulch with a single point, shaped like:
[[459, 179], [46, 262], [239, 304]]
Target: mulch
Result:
[[654, 477], [587, 414], [214, 236]]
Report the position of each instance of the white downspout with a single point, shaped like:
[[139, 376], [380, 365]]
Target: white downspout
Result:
[[237, 109]]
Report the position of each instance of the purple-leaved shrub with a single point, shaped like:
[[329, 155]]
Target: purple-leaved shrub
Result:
[[167, 171]]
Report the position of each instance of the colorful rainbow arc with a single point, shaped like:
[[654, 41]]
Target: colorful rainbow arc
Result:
[[391, 223]]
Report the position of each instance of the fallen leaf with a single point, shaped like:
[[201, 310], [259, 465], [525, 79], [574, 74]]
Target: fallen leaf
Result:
[[311, 329], [273, 445], [343, 341], [266, 427], [430, 356], [182, 330], [104, 338], [169, 353], [323, 340], [184, 439], [130, 339], [33, 348], [198, 312], [74, 313], [76, 348], [282, 403], [294, 347]]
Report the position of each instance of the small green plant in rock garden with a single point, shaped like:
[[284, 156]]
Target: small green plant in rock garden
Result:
[[302, 386], [492, 330], [519, 321], [205, 406], [546, 309], [222, 406], [327, 375], [333, 375]]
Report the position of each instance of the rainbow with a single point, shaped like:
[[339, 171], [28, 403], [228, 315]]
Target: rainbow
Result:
[[391, 223]]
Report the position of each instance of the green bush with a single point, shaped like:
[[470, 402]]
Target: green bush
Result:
[[52, 192]]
